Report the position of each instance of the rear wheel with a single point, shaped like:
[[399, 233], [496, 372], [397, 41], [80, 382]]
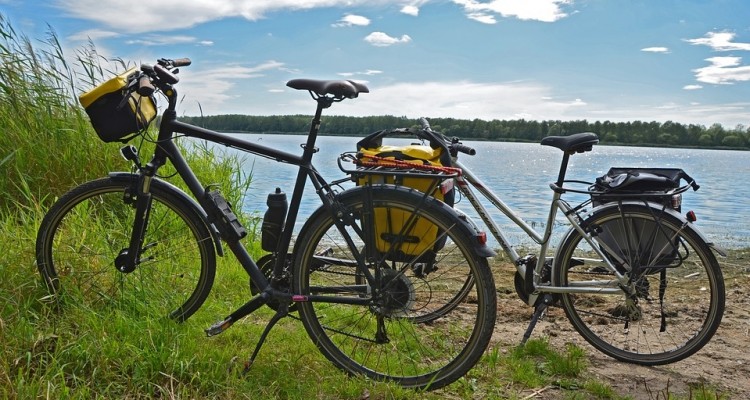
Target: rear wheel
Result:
[[419, 323], [677, 299], [87, 228]]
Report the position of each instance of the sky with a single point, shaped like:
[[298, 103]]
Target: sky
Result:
[[686, 61]]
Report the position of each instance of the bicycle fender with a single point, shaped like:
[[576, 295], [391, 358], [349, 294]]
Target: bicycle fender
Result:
[[168, 187], [672, 213], [465, 225]]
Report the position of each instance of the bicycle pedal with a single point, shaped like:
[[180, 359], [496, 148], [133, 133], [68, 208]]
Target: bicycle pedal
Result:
[[218, 327]]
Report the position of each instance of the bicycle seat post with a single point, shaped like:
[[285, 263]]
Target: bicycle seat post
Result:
[[563, 169], [322, 103]]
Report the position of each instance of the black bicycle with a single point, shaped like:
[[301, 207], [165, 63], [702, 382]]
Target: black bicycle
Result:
[[374, 274]]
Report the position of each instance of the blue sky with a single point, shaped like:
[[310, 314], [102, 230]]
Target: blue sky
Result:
[[653, 60]]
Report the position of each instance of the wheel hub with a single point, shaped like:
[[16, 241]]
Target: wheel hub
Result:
[[396, 295]]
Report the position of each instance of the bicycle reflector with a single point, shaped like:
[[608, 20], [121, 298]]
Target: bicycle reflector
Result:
[[482, 237], [691, 216]]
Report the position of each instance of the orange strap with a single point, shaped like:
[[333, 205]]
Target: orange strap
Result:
[[392, 163]]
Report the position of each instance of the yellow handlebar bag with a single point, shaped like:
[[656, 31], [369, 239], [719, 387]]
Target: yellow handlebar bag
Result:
[[116, 112]]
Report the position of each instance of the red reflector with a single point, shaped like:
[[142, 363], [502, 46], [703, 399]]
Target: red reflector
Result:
[[691, 216], [482, 237]]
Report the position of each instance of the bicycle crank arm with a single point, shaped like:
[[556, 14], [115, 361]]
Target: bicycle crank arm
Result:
[[255, 303]]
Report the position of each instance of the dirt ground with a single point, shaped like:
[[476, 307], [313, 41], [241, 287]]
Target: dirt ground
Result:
[[722, 366]]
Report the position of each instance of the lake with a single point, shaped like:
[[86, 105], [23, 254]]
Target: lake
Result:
[[520, 174]]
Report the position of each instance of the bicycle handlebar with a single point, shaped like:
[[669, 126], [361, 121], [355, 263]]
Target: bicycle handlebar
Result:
[[165, 75], [425, 124], [145, 88], [453, 144], [161, 75], [461, 148], [181, 62]]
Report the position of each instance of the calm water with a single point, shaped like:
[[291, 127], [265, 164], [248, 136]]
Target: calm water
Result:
[[520, 174]]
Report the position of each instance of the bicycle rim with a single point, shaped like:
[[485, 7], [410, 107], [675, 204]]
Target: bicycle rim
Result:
[[86, 229], [679, 288], [429, 324]]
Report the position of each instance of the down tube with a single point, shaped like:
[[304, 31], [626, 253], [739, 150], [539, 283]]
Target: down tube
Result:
[[195, 187], [465, 182]]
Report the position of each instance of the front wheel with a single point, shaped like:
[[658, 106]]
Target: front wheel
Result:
[[418, 323], [86, 229], [676, 298]]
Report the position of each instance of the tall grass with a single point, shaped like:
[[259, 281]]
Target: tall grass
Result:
[[47, 143]]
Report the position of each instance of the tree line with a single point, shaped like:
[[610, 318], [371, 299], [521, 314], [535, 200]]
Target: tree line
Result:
[[640, 133]]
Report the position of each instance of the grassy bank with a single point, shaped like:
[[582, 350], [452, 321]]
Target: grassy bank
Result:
[[74, 352]]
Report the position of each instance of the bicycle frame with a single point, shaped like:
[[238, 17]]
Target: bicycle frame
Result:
[[468, 179], [166, 149]]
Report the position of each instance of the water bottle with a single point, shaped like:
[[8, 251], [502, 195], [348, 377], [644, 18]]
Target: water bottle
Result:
[[273, 220]]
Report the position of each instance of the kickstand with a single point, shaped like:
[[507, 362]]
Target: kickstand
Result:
[[282, 312], [539, 310]]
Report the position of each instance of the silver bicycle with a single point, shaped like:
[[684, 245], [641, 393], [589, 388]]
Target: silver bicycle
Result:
[[636, 279]]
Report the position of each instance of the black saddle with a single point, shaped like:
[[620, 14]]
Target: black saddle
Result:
[[339, 89], [575, 143]]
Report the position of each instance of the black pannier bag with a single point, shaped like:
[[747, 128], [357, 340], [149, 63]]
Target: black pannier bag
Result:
[[642, 241], [116, 113], [651, 184]]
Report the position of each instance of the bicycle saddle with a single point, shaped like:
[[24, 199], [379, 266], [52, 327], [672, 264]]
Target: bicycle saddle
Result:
[[578, 142], [337, 88]]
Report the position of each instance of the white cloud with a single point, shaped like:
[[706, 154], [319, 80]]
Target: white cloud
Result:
[[655, 50], [692, 87], [351, 20], [483, 18], [464, 100], [381, 39], [720, 41], [723, 70], [728, 114], [167, 15], [163, 40], [212, 86], [410, 10], [535, 10], [93, 34], [368, 72], [528, 100]]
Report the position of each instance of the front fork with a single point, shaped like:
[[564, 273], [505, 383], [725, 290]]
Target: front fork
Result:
[[139, 191]]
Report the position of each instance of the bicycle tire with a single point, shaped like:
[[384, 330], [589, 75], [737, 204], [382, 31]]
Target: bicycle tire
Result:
[[84, 231], [427, 345], [659, 327]]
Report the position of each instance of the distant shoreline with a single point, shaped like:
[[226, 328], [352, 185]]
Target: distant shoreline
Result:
[[507, 140]]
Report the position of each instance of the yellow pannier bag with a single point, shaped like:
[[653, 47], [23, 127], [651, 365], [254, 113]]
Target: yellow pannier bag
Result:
[[115, 112], [422, 238]]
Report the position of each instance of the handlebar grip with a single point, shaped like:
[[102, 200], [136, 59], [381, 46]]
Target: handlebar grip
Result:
[[165, 75], [425, 124], [145, 88], [464, 149], [181, 62]]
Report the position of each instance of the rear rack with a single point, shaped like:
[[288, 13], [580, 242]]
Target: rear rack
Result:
[[590, 190], [374, 165]]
